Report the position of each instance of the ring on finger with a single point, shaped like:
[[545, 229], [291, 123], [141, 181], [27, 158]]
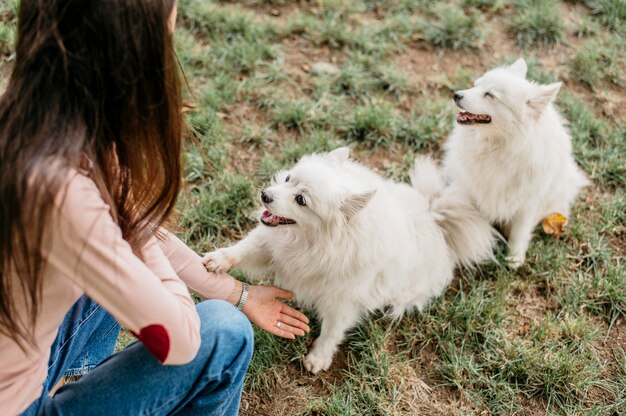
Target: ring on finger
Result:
[[278, 324]]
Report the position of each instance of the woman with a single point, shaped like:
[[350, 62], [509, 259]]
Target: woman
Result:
[[90, 150]]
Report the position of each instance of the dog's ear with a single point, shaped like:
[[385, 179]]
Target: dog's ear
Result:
[[279, 177], [340, 155], [354, 203], [541, 97], [519, 68]]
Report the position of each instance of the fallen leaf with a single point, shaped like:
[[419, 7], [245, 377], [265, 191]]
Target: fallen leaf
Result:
[[554, 224]]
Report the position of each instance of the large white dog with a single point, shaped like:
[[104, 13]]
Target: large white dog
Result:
[[512, 154], [348, 241]]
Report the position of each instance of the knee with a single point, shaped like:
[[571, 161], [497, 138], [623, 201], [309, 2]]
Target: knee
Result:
[[226, 328]]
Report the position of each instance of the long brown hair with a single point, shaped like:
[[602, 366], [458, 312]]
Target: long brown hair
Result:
[[94, 80]]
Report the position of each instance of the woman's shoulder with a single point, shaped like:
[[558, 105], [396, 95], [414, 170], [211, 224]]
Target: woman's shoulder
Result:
[[77, 186], [76, 192], [54, 181], [57, 171]]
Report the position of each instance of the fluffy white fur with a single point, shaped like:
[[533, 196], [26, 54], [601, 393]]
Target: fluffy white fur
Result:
[[360, 243], [519, 167]]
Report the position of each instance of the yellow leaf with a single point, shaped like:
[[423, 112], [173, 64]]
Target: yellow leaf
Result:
[[554, 224]]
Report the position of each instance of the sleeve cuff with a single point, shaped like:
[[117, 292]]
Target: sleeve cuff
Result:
[[189, 267]]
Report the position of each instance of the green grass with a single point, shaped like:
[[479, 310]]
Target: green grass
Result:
[[229, 196], [8, 9], [7, 39], [541, 340], [335, 28], [425, 128], [291, 114], [597, 62], [587, 27], [452, 28], [599, 147], [371, 122], [237, 42], [8, 22], [611, 13], [362, 76], [491, 5], [537, 23], [531, 342]]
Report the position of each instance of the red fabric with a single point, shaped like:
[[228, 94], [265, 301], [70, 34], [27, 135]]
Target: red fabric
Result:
[[156, 339]]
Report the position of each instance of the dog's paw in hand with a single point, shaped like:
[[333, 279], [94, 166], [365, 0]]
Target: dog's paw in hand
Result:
[[317, 362], [219, 261]]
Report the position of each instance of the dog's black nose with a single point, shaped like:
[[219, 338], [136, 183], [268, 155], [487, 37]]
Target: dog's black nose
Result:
[[457, 97], [266, 197]]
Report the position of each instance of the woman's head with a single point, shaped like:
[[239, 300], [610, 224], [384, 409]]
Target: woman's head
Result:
[[93, 79]]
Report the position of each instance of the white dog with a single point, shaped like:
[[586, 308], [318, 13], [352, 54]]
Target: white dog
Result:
[[511, 153], [347, 241]]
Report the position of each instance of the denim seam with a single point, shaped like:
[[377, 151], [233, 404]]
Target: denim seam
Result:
[[72, 336], [79, 372]]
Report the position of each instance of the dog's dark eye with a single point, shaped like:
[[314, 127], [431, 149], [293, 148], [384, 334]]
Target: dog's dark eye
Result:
[[488, 94], [300, 200], [287, 178]]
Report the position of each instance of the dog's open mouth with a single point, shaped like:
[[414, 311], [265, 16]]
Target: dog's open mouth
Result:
[[468, 118], [271, 220]]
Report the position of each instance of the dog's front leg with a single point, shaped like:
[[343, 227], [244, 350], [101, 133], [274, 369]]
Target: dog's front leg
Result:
[[521, 229], [335, 323], [250, 254]]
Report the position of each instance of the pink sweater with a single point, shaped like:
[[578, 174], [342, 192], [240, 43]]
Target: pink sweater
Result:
[[87, 254]]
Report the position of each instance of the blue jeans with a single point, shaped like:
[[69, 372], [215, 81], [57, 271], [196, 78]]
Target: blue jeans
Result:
[[132, 381]]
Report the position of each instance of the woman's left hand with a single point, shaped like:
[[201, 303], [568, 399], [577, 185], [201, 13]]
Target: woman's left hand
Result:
[[266, 310]]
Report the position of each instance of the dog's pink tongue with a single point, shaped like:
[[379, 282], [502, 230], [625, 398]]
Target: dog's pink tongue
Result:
[[269, 218]]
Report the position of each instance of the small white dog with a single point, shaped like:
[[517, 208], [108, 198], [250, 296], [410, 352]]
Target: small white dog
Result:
[[512, 154], [347, 241]]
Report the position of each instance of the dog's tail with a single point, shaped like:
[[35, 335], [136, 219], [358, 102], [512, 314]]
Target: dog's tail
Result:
[[469, 236]]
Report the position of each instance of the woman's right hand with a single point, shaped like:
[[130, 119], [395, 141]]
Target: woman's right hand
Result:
[[265, 309]]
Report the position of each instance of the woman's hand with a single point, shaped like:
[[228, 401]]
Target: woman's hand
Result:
[[266, 310]]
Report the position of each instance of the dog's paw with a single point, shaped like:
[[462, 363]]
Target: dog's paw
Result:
[[219, 261], [516, 260], [316, 363]]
